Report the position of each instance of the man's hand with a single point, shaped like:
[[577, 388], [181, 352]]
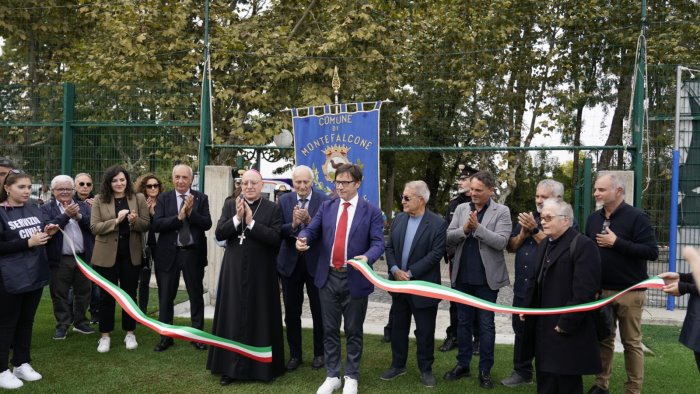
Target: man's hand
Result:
[[72, 210], [606, 240], [362, 258], [240, 208], [401, 275], [301, 245], [670, 283], [472, 224], [527, 221], [297, 217]]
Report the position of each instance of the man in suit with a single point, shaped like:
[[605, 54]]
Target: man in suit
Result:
[[414, 250], [479, 232], [181, 217], [298, 269], [74, 219], [345, 227]]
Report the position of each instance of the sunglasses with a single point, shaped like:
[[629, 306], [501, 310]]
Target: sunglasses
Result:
[[10, 171], [88, 184], [406, 198], [548, 218], [152, 185]]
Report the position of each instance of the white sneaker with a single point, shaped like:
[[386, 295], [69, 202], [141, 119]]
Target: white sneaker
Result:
[[130, 341], [9, 381], [103, 344], [350, 386], [329, 385], [26, 373]]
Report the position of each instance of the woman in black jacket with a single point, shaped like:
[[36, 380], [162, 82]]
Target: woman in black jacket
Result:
[[24, 271]]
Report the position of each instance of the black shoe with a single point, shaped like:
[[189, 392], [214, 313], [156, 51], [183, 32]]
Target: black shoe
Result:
[[392, 373], [293, 364], [597, 390], [428, 379], [457, 372], [60, 333], [449, 344], [225, 380], [515, 380], [485, 380], [163, 345], [317, 363], [475, 347], [199, 346]]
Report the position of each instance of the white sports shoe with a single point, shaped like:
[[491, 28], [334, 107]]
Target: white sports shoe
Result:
[[350, 386], [9, 381], [329, 385], [103, 344], [130, 341], [26, 373]]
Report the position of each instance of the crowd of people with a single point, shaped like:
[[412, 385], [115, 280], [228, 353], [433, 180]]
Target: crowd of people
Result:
[[302, 242]]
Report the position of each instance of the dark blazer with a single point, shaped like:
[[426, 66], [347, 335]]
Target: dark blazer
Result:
[[288, 254], [366, 238], [564, 282], [425, 253], [54, 248], [166, 223], [103, 223]]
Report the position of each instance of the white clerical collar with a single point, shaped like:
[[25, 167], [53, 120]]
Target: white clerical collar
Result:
[[251, 202]]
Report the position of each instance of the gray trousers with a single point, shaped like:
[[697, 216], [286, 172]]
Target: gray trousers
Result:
[[63, 277], [336, 303]]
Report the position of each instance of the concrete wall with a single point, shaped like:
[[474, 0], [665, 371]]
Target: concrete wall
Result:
[[218, 185]]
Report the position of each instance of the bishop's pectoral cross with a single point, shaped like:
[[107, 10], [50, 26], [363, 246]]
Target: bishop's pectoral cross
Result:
[[241, 237]]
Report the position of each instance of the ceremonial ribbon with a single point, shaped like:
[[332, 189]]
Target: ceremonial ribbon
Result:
[[262, 354], [433, 290]]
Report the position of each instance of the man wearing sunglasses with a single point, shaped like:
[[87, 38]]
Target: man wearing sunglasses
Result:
[[83, 188], [479, 233], [626, 242], [413, 252]]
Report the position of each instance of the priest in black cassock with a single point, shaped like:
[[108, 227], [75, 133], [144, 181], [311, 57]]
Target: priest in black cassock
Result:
[[248, 300]]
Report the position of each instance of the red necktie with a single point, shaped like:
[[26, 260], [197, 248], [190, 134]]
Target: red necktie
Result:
[[339, 243]]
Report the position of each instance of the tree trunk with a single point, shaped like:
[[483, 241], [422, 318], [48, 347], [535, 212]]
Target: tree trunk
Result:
[[616, 128]]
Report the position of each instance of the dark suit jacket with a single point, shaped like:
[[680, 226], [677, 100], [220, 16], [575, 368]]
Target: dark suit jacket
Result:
[[54, 248], [425, 253], [166, 223], [565, 282], [288, 254], [366, 238]]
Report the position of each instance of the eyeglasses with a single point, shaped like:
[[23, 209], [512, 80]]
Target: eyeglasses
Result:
[[152, 185], [63, 190], [343, 183], [548, 218], [88, 184], [407, 198]]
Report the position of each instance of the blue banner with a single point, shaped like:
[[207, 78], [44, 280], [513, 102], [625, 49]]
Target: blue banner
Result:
[[324, 141]]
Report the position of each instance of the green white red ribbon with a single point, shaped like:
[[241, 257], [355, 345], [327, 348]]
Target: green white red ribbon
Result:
[[262, 354], [432, 290]]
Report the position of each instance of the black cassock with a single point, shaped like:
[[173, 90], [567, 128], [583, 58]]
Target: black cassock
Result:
[[248, 300]]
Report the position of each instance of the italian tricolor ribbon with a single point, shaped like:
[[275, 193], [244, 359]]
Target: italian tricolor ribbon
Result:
[[262, 354], [432, 290]]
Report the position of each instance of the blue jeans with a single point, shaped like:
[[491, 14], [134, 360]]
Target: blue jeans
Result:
[[487, 337]]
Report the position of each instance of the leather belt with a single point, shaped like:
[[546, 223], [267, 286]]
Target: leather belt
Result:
[[186, 247], [341, 269]]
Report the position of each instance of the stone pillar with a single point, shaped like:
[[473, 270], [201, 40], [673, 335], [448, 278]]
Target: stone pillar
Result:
[[218, 185]]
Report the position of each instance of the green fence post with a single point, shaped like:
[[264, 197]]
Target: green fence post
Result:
[[638, 112], [587, 182], [67, 136]]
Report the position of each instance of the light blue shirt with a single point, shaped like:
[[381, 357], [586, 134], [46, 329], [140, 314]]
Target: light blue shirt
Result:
[[411, 228]]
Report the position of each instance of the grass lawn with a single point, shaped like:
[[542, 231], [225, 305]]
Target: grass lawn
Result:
[[74, 366]]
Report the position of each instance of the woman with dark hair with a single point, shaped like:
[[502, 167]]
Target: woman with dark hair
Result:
[[150, 186], [118, 219], [24, 271]]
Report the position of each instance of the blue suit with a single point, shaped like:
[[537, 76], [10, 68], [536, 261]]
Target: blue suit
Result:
[[296, 271], [343, 292], [64, 270], [425, 253]]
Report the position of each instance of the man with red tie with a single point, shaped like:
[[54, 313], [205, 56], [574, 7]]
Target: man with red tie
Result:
[[347, 227]]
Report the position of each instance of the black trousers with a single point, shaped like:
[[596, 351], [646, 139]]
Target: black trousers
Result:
[[16, 321], [124, 274], [522, 366], [187, 261], [551, 383], [64, 276], [403, 309], [337, 305], [697, 360], [293, 294]]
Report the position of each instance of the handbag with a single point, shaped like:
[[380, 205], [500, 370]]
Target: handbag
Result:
[[604, 316]]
